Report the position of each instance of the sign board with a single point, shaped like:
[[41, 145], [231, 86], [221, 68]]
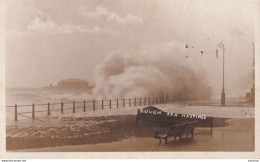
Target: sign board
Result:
[[153, 114]]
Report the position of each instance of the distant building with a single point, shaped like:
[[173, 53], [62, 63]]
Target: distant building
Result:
[[71, 84], [251, 95]]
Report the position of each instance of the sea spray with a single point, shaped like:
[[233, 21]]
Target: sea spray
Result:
[[159, 70]]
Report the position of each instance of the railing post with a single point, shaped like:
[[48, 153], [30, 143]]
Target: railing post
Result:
[[144, 101], [33, 113], [149, 101], [94, 105], [102, 104], [110, 104], [162, 99], [73, 106], [123, 102], [84, 106], [116, 103], [61, 107], [15, 112], [129, 102], [135, 101], [140, 103], [49, 113]]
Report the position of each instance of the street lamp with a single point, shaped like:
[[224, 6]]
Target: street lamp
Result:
[[221, 45]]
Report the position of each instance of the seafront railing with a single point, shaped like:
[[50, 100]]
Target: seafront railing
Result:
[[93, 105], [86, 105]]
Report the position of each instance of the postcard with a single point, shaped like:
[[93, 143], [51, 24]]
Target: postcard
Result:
[[146, 78]]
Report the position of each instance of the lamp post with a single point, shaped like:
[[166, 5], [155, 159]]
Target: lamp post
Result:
[[221, 45]]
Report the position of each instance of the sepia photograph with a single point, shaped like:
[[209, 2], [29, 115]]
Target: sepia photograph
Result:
[[129, 76]]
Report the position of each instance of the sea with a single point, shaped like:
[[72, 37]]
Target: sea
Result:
[[40, 97]]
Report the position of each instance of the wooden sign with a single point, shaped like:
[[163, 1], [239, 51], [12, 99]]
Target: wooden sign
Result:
[[153, 114]]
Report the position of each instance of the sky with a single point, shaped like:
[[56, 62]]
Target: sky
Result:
[[51, 40]]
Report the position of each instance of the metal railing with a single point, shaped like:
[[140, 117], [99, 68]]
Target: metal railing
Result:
[[88, 105]]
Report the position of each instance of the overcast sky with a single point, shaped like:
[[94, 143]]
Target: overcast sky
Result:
[[50, 40]]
